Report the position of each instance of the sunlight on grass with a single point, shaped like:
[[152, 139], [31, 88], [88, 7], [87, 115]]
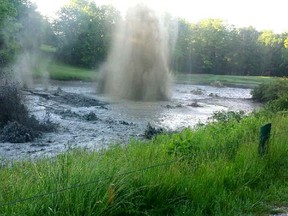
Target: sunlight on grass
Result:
[[65, 72], [47, 48], [60, 71], [214, 170], [226, 80]]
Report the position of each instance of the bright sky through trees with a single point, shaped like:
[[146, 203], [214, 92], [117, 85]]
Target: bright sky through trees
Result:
[[261, 14]]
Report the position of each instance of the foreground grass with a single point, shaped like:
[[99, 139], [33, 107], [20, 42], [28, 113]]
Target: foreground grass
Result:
[[214, 170]]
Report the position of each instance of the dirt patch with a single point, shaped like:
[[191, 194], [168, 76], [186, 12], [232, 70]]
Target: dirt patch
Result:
[[168, 106], [17, 125], [151, 131], [73, 99], [194, 104], [90, 117], [14, 132], [197, 91], [76, 99]]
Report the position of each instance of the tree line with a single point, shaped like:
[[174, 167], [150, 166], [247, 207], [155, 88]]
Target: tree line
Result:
[[82, 34], [22, 28], [212, 46]]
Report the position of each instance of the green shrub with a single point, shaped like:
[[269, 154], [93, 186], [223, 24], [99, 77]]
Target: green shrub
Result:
[[280, 104], [223, 116], [266, 92]]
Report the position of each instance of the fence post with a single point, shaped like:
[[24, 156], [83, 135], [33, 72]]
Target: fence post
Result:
[[264, 139]]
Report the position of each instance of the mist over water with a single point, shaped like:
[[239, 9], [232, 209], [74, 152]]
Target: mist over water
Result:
[[30, 59], [137, 65], [26, 63], [23, 68]]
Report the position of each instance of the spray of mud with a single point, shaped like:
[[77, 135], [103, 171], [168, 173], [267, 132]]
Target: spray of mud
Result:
[[137, 65]]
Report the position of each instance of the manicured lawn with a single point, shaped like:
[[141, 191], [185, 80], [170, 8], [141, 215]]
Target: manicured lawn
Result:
[[59, 71], [66, 72], [227, 80]]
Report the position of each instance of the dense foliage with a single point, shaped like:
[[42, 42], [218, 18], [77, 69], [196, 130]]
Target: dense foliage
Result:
[[84, 32], [267, 92], [275, 94], [212, 46], [21, 29], [81, 35], [209, 46]]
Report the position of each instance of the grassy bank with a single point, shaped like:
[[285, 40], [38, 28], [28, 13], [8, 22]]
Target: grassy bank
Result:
[[66, 72], [214, 170], [226, 80], [59, 71]]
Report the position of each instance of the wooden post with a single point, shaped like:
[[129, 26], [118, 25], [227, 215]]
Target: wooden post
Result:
[[264, 139]]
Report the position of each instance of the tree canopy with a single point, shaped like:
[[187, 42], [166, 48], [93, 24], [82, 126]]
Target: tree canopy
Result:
[[212, 46], [82, 33], [20, 28]]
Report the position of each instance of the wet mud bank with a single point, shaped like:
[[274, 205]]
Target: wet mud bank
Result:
[[87, 120]]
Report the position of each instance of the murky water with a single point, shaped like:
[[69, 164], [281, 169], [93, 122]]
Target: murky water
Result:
[[117, 121]]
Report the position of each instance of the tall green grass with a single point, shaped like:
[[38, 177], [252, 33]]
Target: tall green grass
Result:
[[214, 170]]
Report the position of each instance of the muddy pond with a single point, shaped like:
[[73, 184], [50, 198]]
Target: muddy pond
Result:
[[88, 120]]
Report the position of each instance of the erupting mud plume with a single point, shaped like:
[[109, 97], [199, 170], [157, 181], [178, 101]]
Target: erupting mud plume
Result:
[[137, 65]]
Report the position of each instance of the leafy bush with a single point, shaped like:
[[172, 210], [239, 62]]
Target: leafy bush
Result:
[[275, 94], [280, 104], [266, 92], [224, 116]]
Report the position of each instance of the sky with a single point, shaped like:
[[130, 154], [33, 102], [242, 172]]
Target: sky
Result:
[[261, 14]]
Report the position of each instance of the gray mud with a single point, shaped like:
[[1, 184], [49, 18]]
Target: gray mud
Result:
[[88, 120]]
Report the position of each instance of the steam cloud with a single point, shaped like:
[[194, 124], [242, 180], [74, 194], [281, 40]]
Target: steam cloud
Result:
[[137, 65], [29, 58]]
